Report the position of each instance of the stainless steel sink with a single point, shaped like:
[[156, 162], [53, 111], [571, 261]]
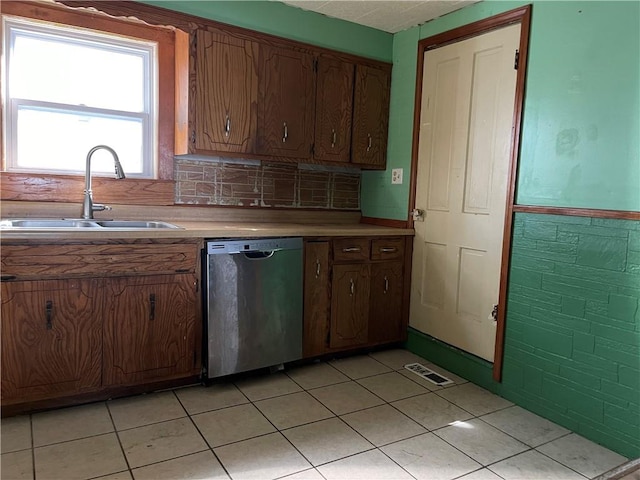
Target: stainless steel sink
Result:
[[134, 224], [29, 223], [72, 224]]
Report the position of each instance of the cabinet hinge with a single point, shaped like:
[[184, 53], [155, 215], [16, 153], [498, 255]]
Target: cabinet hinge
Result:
[[516, 60]]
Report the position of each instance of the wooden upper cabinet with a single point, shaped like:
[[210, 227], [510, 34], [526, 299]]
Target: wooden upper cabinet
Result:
[[334, 106], [51, 339], [370, 116], [225, 103], [286, 102]]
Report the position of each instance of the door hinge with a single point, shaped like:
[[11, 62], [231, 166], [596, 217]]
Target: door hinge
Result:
[[516, 60]]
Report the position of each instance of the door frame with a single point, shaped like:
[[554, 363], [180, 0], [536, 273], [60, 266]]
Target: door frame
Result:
[[521, 15]]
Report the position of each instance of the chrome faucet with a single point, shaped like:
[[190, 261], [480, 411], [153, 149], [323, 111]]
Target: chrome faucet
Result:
[[88, 207]]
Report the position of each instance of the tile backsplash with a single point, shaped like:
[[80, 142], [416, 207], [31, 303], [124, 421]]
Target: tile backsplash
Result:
[[250, 183]]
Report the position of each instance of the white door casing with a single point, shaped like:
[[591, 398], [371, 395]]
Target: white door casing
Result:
[[466, 121]]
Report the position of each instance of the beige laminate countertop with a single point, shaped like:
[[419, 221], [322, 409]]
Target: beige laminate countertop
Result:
[[203, 229]]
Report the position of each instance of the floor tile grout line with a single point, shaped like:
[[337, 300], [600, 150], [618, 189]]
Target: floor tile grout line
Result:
[[385, 454], [558, 461], [202, 435], [115, 430], [33, 447]]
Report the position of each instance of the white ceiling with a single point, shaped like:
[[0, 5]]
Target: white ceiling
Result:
[[388, 15]]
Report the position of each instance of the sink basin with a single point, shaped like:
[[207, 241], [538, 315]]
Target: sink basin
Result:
[[72, 224], [47, 223], [134, 224]]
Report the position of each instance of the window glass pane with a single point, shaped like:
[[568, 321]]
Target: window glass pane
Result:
[[57, 140], [65, 70]]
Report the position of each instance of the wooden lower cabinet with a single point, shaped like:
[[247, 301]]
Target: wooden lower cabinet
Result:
[[387, 289], [82, 320], [51, 339], [349, 305], [354, 293], [149, 326], [317, 298]]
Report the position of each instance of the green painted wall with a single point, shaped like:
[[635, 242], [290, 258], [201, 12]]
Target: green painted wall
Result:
[[279, 19], [581, 129], [572, 340]]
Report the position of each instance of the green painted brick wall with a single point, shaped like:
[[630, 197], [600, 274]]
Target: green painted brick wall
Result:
[[572, 340]]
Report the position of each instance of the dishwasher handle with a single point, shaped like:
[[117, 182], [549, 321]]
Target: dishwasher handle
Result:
[[259, 255]]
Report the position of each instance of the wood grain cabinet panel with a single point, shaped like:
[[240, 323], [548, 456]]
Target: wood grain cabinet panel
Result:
[[51, 339], [370, 116], [350, 305], [334, 106], [148, 328], [286, 102], [226, 82], [387, 289], [317, 298]]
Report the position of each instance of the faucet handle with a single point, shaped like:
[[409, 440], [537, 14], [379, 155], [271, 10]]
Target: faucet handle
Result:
[[99, 207]]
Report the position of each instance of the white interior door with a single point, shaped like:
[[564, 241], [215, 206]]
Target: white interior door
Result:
[[466, 117]]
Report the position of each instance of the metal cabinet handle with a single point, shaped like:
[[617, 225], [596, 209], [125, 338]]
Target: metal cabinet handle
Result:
[[152, 306], [388, 249], [193, 137], [386, 284], [351, 249], [334, 137], [352, 287], [285, 132], [317, 268], [48, 312], [227, 126], [369, 139]]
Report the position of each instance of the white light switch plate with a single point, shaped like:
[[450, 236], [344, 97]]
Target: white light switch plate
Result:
[[396, 176]]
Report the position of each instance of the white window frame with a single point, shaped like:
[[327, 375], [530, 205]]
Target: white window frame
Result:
[[13, 26]]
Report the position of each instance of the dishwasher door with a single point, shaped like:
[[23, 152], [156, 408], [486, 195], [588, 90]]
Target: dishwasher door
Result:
[[254, 304]]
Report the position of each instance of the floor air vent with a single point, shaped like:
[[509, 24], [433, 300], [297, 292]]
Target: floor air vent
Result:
[[428, 374]]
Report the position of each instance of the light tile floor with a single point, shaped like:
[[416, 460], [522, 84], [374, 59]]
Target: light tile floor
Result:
[[363, 417]]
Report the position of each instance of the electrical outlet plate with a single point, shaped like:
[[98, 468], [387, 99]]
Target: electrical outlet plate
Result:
[[396, 176]]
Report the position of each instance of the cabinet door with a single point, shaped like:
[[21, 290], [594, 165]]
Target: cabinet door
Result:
[[226, 82], [51, 339], [316, 298], [149, 328], [349, 305], [286, 102], [370, 116], [334, 106], [386, 302]]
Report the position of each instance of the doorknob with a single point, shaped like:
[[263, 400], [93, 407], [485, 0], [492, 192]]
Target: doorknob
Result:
[[417, 215]]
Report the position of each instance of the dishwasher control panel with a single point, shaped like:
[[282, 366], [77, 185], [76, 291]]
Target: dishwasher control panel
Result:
[[218, 247]]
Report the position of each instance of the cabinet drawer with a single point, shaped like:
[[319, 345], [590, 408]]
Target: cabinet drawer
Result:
[[387, 249], [351, 249], [34, 261]]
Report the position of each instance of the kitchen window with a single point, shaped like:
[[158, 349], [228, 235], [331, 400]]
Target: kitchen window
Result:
[[87, 71], [70, 89]]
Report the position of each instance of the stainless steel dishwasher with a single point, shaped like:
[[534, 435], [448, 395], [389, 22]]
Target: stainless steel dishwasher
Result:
[[253, 303]]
